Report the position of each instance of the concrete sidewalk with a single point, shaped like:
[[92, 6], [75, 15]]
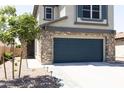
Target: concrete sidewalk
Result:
[[33, 63], [94, 75], [86, 75]]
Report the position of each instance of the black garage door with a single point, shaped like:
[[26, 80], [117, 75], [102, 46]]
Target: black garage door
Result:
[[78, 50]]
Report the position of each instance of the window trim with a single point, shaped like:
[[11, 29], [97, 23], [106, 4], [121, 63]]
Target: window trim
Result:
[[91, 17], [52, 13]]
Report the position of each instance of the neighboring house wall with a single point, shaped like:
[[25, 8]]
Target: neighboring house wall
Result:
[[119, 48]]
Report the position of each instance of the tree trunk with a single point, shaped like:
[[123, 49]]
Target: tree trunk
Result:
[[24, 48], [23, 54], [13, 76], [20, 66], [4, 65]]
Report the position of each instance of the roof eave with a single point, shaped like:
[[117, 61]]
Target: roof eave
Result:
[[119, 38], [35, 10], [43, 26]]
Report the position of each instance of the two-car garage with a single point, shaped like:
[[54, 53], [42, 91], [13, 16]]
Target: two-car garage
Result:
[[68, 50]]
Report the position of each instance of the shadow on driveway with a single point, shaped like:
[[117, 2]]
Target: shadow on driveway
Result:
[[111, 64]]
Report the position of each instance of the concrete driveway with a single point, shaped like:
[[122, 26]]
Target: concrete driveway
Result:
[[90, 75]]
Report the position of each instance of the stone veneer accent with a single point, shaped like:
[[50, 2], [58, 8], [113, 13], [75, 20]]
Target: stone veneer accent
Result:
[[48, 36]]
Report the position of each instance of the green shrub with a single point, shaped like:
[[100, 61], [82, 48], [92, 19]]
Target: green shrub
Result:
[[18, 46], [8, 56]]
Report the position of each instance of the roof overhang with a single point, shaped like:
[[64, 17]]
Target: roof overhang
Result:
[[45, 25], [85, 30], [119, 35], [35, 10]]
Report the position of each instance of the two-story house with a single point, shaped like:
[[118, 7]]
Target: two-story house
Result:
[[75, 33]]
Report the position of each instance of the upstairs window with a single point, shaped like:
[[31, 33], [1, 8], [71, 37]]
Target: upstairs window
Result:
[[91, 11], [86, 11], [96, 12], [48, 13]]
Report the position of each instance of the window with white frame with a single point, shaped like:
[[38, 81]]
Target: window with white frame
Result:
[[48, 13], [91, 11]]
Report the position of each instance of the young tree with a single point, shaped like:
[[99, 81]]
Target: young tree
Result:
[[6, 35], [4, 65], [7, 38], [26, 29]]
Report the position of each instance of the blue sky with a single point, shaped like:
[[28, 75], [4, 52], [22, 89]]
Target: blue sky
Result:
[[24, 8], [119, 18], [118, 15]]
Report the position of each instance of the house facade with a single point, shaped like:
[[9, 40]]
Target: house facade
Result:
[[75, 33], [119, 46]]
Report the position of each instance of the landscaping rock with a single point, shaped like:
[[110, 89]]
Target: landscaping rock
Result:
[[45, 81]]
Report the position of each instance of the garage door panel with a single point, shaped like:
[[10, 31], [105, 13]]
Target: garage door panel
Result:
[[78, 50]]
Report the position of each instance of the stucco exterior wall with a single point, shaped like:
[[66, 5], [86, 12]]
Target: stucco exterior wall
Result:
[[38, 49], [56, 13], [70, 21], [41, 14], [70, 11], [62, 10]]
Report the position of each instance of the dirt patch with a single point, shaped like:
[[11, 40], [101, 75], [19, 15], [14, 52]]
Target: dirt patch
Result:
[[30, 78]]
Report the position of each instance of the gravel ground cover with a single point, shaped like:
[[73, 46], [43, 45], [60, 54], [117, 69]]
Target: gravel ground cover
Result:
[[30, 78], [45, 81]]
